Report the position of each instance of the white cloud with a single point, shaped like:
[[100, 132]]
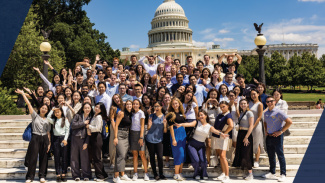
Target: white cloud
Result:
[[133, 46], [206, 31], [223, 31], [314, 17], [319, 1], [290, 37], [223, 39], [203, 44]]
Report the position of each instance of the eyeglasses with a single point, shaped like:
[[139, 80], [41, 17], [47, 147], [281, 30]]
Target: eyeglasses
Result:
[[156, 106], [231, 95], [269, 101]]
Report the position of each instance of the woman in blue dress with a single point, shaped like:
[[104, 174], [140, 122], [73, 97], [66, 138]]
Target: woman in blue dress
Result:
[[175, 117]]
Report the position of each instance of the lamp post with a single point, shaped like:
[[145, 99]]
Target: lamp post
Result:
[[260, 41], [45, 47]]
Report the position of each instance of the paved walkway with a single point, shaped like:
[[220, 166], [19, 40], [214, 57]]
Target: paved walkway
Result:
[[232, 180]]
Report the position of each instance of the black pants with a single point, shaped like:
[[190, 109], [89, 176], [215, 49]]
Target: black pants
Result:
[[105, 146], [60, 152], [37, 147], [79, 159], [95, 151], [153, 150]]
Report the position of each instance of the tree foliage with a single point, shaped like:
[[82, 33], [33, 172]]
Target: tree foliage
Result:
[[7, 105]]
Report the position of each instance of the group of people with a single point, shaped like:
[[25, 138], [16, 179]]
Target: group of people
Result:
[[202, 115]]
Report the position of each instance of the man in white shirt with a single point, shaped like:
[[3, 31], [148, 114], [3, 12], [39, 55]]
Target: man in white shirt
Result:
[[115, 65], [138, 92], [151, 68], [103, 97], [207, 63]]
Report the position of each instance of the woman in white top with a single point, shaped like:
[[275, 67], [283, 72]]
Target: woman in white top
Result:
[[196, 146], [137, 144], [223, 93], [191, 108], [93, 92], [76, 105], [206, 76], [256, 107], [211, 106], [281, 104], [233, 104], [96, 140]]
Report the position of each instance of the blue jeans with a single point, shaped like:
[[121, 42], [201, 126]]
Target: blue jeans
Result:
[[275, 145]]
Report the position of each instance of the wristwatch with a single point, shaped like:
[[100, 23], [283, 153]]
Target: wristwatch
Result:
[[141, 137]]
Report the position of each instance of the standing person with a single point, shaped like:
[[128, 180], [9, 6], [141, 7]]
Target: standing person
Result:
[[121, 141], [257, 108], [79, 143], [273, 124], [200, 92], [175, 117], [261, 91], [103, 97], [151, 68], [117, 105], [157, 126], [138, 92], [225, 124], [112, 87], [167, 149], [61, 129], [228, 81], [233, 104], [148, 87], [96, 140], [244, 146], [211, 106], [244, 88], [229, 61], [196, 146], [40, 143], [180, 82], [161, 93], [281, 104], [137, 145], [206, 77], [122, 91], [139, 71], [133, 64], [207, 63]]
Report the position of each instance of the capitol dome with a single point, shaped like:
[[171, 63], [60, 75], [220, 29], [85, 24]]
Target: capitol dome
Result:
[[169, 27]]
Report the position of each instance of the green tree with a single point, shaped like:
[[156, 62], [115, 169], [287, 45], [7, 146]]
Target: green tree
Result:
[[26, 55], [277, 69], [311, 71], [294, 66], [7, 105]]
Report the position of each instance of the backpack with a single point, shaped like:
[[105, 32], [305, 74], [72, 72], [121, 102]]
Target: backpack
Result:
[[105, 132], [27, 135]]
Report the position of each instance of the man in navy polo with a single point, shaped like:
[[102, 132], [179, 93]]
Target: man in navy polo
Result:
[[273, 123]]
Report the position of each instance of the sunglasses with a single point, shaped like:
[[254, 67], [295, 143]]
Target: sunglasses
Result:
[[269, 101]]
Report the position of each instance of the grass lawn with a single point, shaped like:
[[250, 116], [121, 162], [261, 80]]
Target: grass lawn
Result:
[[305, 88], [303, 97]]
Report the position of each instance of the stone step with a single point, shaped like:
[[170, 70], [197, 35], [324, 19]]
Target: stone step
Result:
[[11, 136], [12, 129], [20, 173], [13, 153], [14, 123], [295, 149], [13, 144], [302, 132], [304, 125], [305, 118], [296, 140]]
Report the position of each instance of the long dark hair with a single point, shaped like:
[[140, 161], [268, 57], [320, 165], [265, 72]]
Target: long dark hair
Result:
[[103, 111], [81, 111], [142, 79], [278, 90], [56, 119], [208, 96], [53, 82], [115, 106], [255, 90], [73, 104], [206, 114], [189, 104], [39, 109], [157, 93]]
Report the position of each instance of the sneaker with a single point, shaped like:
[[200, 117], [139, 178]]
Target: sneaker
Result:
[[282, 178], [125, 177], [225, 179], [179, 177], [135, 177], [256, 164], [162, 177], [197, 177], [167, 164], [157, 177], [115, 179], [63, 178], [221, 176], [28, 181], [112, 166], [99, 180], [205, 178], [269, 176], [58, 178], [77, 179], [86, 179], [175, 176], [249, 177], [146, 177], [95, 179], [190, 167], [42, 180]]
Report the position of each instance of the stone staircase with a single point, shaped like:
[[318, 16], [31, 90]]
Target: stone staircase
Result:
[[13, 150]]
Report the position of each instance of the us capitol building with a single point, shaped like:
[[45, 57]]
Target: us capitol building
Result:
[[171, 35]]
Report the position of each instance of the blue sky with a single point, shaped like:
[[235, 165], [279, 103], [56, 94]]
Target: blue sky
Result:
[[228, 23]]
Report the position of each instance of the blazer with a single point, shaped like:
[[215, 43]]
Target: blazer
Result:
[[79, 128]]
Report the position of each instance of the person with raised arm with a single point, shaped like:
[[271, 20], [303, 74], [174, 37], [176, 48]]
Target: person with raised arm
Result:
[[151, 68], [229, 61], [40, 143]]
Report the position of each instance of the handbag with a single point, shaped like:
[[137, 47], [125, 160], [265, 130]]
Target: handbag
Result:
[[27, 135], [190, 134], [105, 132], [239, 119]]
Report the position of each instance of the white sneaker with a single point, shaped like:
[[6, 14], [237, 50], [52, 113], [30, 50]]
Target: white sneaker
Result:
[[197, 177], [77, 179], [190, 167], [167, 165], [42, 180], [221, 176], [28, 181], [146, 177], [175, 176], [125, 177], [112, 166], [269, 176], [226, 179], [256, 164], [135, 177], [282, 178], [99, 180], [249, 177], [181, 175], [117, 180], [205, 178]]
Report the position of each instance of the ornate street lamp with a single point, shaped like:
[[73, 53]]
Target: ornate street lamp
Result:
[[45, 47], [260, 41]]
